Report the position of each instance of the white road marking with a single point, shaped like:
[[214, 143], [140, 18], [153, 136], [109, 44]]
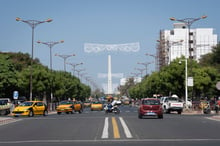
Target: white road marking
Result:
[[105, 129], [105, 133], [125, 127], [106, 140]]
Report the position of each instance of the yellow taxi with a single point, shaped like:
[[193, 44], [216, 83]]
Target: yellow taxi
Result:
[[96, 105], [65, 106], [78, 107], [30, 108]]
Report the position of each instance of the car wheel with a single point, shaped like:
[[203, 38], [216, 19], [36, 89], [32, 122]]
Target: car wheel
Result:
[[58, 113], [164, 110], [179, 112], [140, 116], [31, 113], [160, 116], [117, 111], [45, 113]]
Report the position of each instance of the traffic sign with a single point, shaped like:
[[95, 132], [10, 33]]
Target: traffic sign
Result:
[[15, 95]]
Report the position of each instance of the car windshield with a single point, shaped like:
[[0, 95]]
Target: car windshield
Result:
[[96, 102], [26, 104], [66, 102], [151, 102], [3, 102]]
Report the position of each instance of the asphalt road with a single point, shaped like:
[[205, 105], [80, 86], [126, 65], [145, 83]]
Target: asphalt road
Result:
[[100, 129]]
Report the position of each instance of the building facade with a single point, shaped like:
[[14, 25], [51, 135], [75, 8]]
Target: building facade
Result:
[[181, 41]]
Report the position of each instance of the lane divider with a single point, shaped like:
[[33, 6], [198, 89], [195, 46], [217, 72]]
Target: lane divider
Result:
[[125, 127], [115, 128], [116, 133], [105, 129]]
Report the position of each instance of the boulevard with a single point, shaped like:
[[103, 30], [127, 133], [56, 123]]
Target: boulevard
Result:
[[98, 128]]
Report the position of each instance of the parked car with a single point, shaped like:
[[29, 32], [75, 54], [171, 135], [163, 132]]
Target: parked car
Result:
[[150, 107], [65, 106], [30, 108], [5, 106], [97, 105]]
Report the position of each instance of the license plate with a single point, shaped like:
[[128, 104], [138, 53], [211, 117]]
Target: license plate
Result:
[[150, 114]]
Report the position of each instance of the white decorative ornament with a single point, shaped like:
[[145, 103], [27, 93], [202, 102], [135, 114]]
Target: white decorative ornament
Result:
[[95, 48]]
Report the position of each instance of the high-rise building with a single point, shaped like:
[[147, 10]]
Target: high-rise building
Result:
[[175, 43]]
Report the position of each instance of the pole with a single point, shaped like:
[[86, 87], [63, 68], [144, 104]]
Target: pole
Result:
[[188, 22], [50, 45], [32, 24], [64, 59], [186, 83]]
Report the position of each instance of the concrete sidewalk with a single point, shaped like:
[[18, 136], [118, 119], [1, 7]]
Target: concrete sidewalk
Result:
[[7, 120]]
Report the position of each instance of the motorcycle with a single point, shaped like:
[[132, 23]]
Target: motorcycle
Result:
[[111, 109]]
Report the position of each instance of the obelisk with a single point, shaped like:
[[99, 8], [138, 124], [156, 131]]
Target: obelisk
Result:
[[109, 91]]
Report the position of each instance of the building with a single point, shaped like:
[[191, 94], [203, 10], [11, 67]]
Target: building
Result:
[[175, 43], [123, 81]]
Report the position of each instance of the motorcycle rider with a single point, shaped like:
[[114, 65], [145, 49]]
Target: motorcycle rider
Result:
[[111, 104]]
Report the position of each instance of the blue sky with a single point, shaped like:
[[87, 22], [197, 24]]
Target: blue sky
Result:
[[98, 21]]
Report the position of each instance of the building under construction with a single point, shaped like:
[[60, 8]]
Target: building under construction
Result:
[[181, 41]]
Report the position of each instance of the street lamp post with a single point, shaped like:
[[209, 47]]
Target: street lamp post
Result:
[[32, 24], [64, 58], [135, 74], [155, 58], [50, 45], [82, 74], [78, 71], [145, 64], [188, 22], [141, 71], [74, 66]]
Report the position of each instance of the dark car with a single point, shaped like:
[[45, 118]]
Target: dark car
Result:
[[150, 107]]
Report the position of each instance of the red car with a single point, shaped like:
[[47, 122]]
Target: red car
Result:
[[150, 107]]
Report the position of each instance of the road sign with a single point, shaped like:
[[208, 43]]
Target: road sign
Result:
[[15, 95], [190, 81]]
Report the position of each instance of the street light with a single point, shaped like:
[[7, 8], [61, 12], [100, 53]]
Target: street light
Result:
[[141, 71], [74, 66], [145, 64], [135, 74], [188, 22], [50, 45], [155, 58], [78, 71], [32, 24], [64, 58]]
